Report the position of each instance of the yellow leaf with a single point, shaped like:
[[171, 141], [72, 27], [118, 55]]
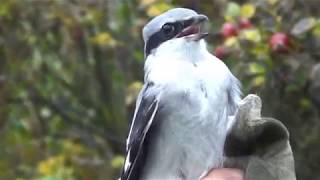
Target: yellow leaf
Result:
[[44, 168], [260, 50], [255, 68], [279, 19], [231, 42], [117, 161], [103, 38], [258, 81], [157, 9], [132, 92], [272, 2], [229, 18], [247, 10], [251, 35], [51, 165], [146, 2], [94, 16], [316, 31]]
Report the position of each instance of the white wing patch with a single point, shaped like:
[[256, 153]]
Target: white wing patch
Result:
[[152, 116], [135, 146], [134, 116], [127, 163]]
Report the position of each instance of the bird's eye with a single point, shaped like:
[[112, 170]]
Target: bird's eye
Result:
[[168, 29]]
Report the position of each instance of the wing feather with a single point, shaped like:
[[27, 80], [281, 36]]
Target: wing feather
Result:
[[146, 110]]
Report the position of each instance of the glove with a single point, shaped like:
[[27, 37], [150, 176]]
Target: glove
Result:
[[258, 145]]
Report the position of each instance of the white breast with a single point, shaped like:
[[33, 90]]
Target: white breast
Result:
[[193, 91]]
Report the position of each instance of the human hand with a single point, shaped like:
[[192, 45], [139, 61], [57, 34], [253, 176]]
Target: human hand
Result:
[[225, 174]]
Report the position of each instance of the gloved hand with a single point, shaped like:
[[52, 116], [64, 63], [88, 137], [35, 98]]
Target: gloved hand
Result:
[[259, 146]]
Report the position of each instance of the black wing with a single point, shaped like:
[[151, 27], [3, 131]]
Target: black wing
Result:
[[146, 110]]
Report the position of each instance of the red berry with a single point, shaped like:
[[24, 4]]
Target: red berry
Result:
[[279, 42], [245, 24], [229, 30], [220, 52]]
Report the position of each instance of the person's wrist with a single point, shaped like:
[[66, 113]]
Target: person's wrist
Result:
[[225, 174]]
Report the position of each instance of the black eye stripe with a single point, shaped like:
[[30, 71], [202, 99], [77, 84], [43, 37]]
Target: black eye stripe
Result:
[[153, 42], [159, 37]]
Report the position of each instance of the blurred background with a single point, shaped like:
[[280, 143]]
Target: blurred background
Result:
[[70, 71]]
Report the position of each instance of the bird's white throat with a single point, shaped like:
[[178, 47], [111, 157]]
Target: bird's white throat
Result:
[[182, 48]]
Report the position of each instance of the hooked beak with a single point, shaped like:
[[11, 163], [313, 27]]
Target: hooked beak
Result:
[[192, 28], [200, 18]]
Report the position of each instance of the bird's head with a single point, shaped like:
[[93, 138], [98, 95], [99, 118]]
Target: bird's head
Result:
[[173, 28]]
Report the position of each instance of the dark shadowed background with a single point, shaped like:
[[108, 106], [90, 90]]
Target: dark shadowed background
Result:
[[70, 71]]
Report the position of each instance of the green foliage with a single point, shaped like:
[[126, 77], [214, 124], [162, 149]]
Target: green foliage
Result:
[[70, 72]]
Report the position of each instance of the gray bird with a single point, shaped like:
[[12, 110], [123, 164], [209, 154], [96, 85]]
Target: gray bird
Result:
[[182, 113]]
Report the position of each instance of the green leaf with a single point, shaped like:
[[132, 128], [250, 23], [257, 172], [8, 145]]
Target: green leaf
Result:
[[233, 9], [252, 35], [261, 50], [6, 8], [291, 88], [138, 55], [103, 38], [231, 42], [50, 178], [255, 68], [316, 31], [305, 103]]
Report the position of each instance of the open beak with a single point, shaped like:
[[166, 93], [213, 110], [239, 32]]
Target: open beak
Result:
[[192, 28]]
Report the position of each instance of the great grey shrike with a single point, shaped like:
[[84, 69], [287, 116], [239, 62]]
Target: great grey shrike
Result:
[[181, 118]]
